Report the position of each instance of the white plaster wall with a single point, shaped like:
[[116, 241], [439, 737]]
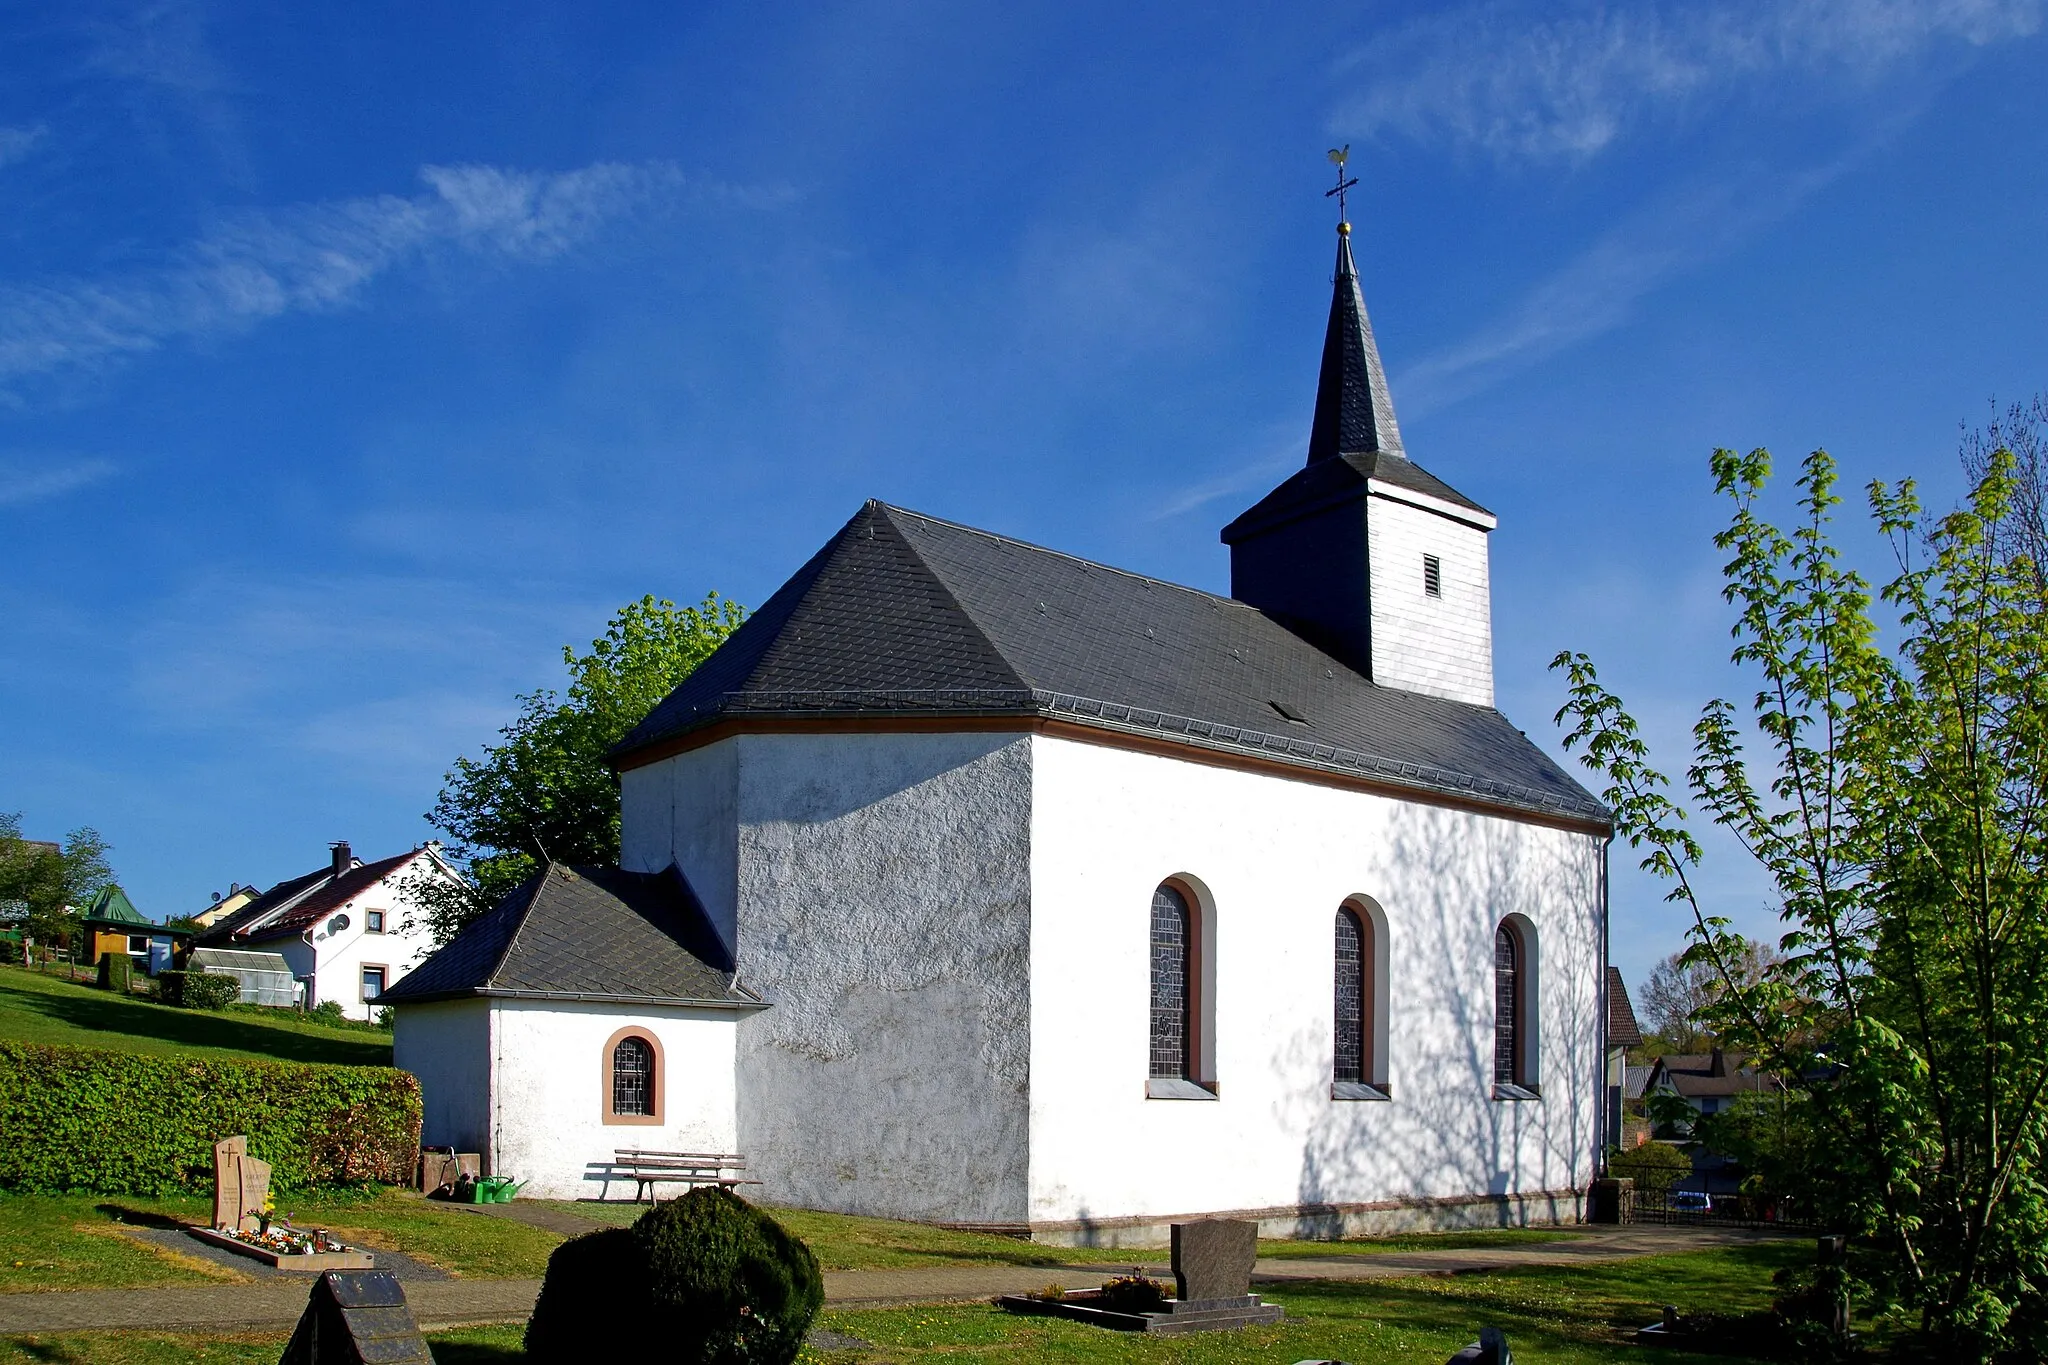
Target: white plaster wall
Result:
[[684, 810], [447, 1044], [1442, 646], [548, 1068], [1278, 857], [883, 903], [341, 954]]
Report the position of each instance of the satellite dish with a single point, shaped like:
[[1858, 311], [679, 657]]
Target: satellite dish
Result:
[[337, 924]]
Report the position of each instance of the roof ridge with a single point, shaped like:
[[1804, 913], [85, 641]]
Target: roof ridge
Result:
[[539, 883], [966, 613], [1218, 598]]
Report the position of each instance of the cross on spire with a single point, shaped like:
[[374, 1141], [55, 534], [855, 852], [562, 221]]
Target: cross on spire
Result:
[[1338, 156]]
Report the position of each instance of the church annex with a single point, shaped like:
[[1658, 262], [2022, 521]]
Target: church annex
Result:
[[1034, 894]]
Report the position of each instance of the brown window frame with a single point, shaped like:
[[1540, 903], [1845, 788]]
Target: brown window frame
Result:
[[373, 921], [380, 967], [658, 1086]]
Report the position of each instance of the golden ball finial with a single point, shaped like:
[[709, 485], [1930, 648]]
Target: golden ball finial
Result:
[[1343, 229]]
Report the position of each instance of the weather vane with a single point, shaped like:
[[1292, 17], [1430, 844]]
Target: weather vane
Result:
[[1338, 156]]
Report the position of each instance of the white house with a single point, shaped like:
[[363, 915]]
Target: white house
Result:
[[1082, 902], [346, 932]]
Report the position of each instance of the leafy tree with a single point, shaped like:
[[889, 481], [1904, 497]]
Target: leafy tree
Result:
[[51, 884], [1679, 995], [1897, 802], [547, 790]]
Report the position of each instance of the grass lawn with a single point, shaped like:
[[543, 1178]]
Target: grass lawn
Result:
[[1577, 1316], [47, 1009], [73, 1241]]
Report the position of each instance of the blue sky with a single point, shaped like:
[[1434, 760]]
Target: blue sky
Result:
[[353, 358]]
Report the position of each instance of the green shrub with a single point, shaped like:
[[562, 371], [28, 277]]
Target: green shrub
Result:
[[198, 990], [594, 1302], [707, 1279], [74, 1118], [1653, 1166], [211, 990], [328, 1012], [117, 972], [10, 952]]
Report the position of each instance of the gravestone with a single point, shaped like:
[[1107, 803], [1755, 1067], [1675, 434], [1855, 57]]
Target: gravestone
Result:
[[1213, 1259], [241, 1184], [356, 1317]]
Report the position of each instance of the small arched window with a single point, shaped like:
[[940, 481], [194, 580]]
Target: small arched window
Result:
[[1179, 1052], [1514, 1024], [1171, 926], [1350, 996], [1359, 1038], [632, 1077]]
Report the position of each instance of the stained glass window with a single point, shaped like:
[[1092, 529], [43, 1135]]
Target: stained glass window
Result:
[[1350, 997], [1507, 1005], [1171, 928], [633, 1077]]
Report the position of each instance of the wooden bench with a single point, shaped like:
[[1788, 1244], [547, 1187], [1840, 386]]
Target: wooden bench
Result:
[[649, 1168]]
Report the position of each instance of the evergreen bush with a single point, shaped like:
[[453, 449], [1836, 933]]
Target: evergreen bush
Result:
[[74, 1118], [210, 990], [594, 1302], [117, 972], [709, 1277]]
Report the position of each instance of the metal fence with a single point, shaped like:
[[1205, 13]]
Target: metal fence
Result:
[[1682, 1208]]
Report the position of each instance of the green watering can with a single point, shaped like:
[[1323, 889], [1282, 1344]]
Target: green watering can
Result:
[[497, 1189]]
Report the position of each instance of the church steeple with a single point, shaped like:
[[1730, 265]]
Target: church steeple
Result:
[[1354, 411], [1363, 552]]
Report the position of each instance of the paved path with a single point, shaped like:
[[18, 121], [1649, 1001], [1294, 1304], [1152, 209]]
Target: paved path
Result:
[[276, 1303]]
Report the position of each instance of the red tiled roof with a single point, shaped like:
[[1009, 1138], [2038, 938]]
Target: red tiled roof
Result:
[[247, 924], [1622, 1029]]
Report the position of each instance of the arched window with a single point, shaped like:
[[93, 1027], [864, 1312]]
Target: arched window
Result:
[[1180, 1019], [1172, 926], [1514, 1015], [1360, 1034], [1350, 996], [632, 1077]]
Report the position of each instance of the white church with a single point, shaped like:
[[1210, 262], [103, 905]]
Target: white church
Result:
[[973, 883]]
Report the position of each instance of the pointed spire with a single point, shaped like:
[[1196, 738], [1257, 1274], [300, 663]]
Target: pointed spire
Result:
[[1354, 412]]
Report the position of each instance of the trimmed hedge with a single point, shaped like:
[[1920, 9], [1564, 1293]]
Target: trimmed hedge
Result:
[[117, 973], [74, 1118]]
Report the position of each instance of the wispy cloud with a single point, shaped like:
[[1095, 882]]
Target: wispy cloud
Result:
[[23, 481], [17, 143], [1522, 85], [1599, 289], [312, 257], [1255, 474]]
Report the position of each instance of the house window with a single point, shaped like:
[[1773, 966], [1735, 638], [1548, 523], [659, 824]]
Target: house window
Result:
[[632, 1077], [1171, 927], [138, 944], [1432, 576], [1514, 999], [373, 983], [373, 922]]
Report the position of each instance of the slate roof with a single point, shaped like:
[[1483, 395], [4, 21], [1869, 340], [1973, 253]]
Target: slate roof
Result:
[[586, 933], [322, 892], [1622, 1029], [1696, 1075], [902, 613]]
